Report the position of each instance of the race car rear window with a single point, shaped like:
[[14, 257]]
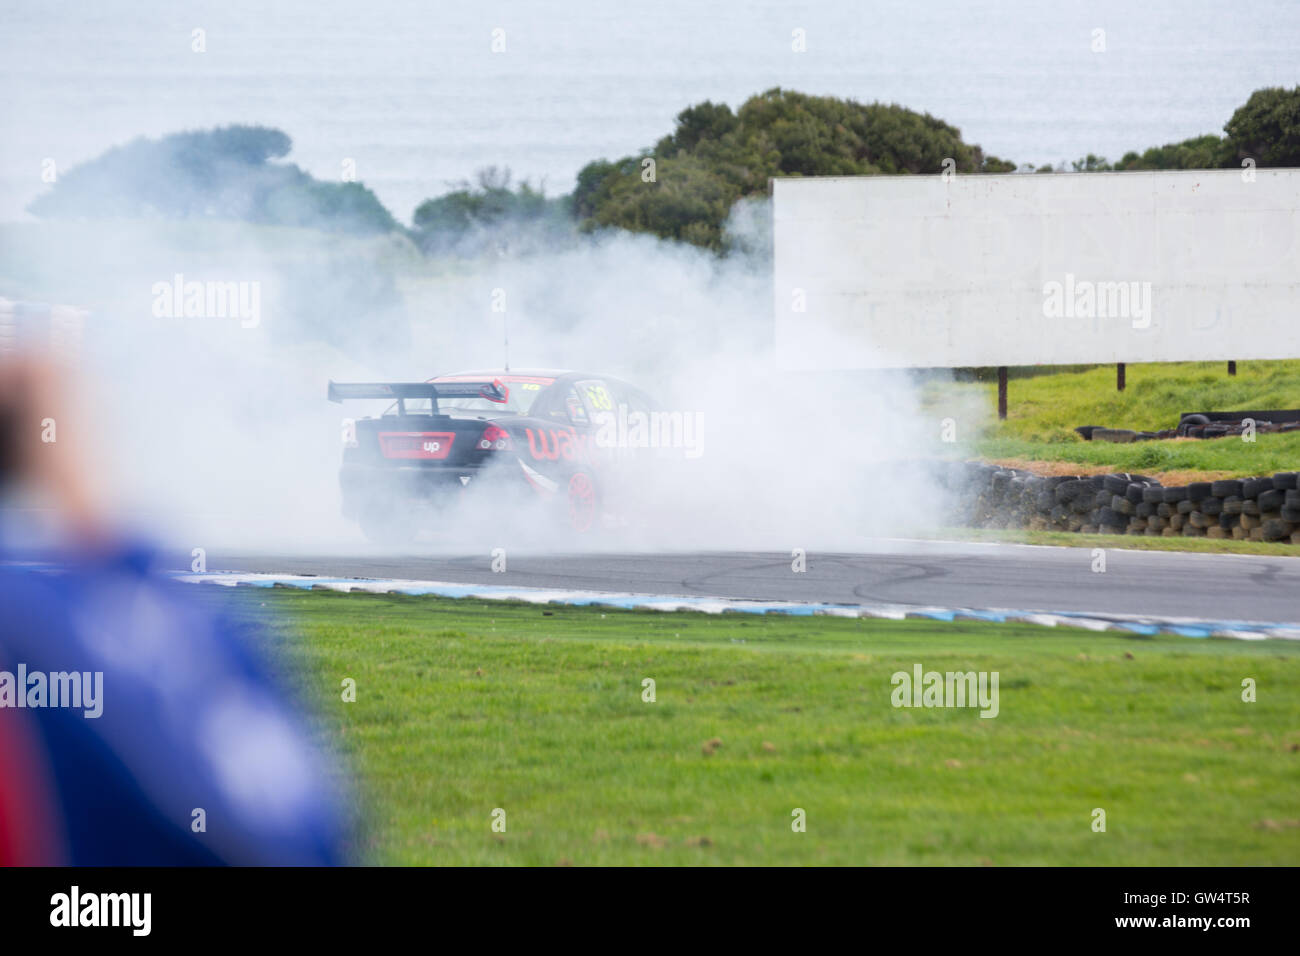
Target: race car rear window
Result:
[[524, 390]]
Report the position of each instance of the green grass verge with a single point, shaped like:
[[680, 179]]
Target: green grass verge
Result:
[[1044, 410], [466, 706], [1126, 541], [1231, 456]]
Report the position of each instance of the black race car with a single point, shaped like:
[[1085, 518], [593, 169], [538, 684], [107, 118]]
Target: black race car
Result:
[[508, 433]]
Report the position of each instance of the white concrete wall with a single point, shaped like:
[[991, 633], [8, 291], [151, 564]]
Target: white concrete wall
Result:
[[897, 271]]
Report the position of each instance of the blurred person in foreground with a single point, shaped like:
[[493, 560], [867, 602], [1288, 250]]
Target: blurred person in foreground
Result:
[[137, 726]]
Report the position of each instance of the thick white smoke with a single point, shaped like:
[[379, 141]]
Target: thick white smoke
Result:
[[218, 435]]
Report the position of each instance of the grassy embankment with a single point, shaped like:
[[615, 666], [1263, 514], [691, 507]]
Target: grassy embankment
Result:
[[467, 706], [1044, 410]]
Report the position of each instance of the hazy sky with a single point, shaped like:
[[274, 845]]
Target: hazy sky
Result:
[[414, 94]]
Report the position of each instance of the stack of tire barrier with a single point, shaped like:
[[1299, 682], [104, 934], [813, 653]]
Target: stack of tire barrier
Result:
[[1251, 509], [1195, 425]]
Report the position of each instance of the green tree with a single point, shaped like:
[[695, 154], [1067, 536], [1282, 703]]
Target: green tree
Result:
[[223, 173], [470, 219], [714, 157], [703, 121], [1199, 152], [1091, 164], [687, 200], [1266, 128]]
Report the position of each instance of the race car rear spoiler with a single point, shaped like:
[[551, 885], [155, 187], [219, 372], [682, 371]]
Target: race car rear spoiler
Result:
[[494, 390]]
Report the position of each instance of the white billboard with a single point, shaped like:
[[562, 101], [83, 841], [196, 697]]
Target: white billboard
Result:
[[1027, 269]]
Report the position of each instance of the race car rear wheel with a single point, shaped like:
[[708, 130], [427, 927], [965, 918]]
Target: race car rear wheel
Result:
[[382, 523], [583, 504]]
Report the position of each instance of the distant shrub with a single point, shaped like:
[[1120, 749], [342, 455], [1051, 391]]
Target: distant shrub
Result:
[[222, 173], [715, 156], [490, 216]]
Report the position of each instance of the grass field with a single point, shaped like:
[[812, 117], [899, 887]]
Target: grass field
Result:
[[1127, 542], [466, 706], [1175, 462], [1044, 410]]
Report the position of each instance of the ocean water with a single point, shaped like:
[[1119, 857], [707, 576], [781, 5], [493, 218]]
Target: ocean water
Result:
[[413, 94]]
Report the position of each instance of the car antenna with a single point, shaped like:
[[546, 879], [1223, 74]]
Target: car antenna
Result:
[[505, 335]]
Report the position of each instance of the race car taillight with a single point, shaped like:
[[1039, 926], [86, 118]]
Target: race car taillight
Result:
[[494, 438]]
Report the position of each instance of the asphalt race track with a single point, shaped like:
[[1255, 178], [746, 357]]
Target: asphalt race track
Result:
[[950, 574]]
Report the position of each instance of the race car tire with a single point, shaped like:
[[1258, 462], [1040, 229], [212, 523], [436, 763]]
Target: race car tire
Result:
[[381, 524], [583, 503]]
